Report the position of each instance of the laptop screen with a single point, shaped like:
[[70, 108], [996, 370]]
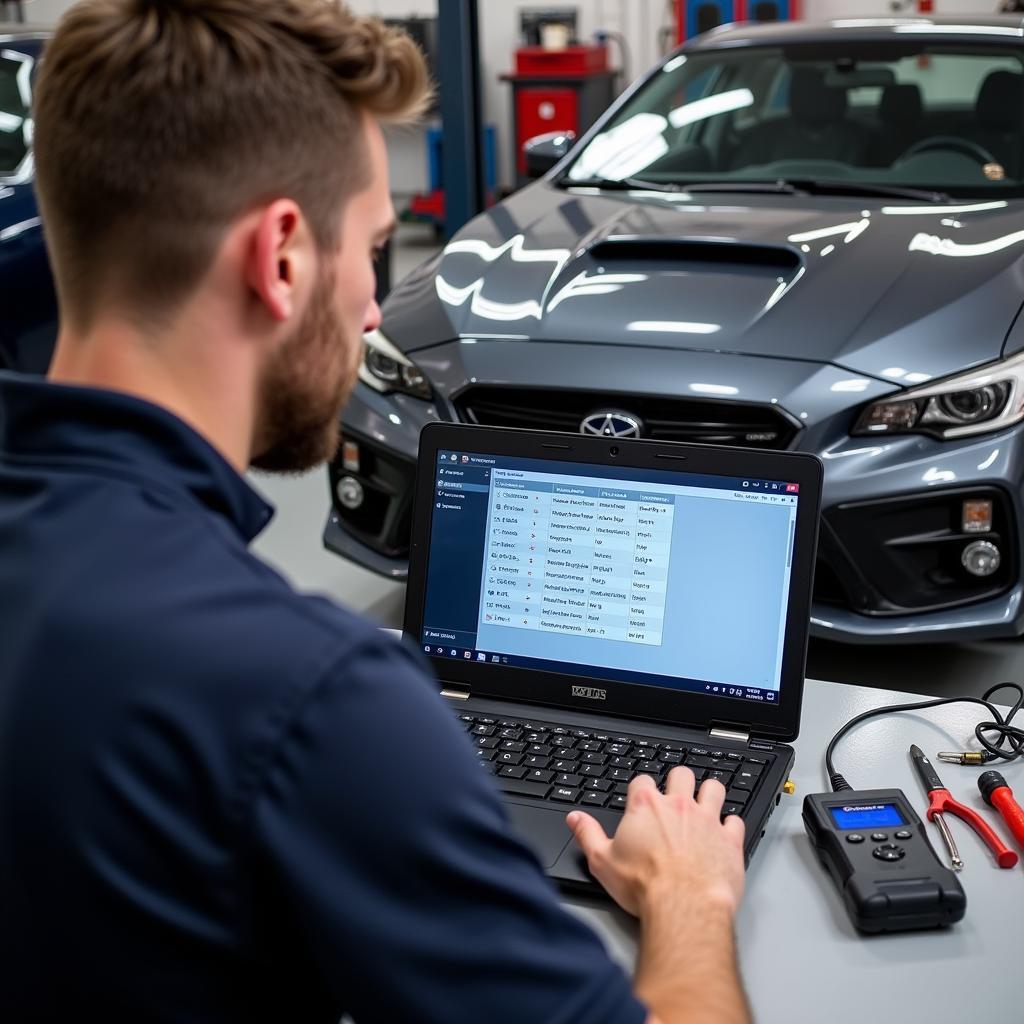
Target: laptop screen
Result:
[[664, 578]]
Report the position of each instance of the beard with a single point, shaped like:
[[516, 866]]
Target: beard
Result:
[[303, 389]]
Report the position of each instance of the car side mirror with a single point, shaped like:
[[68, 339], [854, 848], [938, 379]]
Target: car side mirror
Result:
[[544, 151]]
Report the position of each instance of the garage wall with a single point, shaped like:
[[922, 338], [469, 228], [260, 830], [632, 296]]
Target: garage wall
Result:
[[638, 21]]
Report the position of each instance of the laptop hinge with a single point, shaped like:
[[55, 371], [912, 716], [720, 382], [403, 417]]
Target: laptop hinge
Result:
[[730, 734], [456, 694]]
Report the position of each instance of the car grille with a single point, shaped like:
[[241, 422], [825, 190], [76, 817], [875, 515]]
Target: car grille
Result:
[[697, 421]]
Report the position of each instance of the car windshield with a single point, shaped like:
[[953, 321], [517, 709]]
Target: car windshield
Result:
[[15, 116], [906, 114]]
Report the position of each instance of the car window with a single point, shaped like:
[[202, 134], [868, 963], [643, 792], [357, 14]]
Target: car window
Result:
[[905, 114], [15, 117]]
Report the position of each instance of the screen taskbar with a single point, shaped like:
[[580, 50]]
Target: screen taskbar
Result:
[[459, 646]]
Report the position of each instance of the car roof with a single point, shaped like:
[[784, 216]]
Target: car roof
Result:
[[989, 27]]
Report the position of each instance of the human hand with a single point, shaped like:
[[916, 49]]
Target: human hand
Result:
[[667, 845]]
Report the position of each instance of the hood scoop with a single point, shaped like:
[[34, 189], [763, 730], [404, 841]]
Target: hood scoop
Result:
[[693, 253]]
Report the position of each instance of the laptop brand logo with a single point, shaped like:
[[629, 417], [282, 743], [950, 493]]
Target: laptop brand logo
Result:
[[590, 692], [611, 423]]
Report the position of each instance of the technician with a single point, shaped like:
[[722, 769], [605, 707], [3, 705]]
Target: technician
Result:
[[221, 800]]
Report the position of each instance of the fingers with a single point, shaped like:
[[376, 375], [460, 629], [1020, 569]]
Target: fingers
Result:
[[711, 795], [680, 782], [735, 826], [588, 833]]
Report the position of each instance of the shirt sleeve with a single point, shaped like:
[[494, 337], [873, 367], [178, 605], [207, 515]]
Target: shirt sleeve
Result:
[[400, 871]]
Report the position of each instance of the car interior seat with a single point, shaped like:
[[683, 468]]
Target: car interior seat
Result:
[[817, 127], [900, 113], [999, 119]]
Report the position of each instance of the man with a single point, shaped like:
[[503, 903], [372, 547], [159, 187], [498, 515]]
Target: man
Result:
[[220, 800]]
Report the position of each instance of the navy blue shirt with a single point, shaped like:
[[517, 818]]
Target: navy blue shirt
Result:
[[224, 801]]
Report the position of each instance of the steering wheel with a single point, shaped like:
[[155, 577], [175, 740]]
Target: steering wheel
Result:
[[954, 142]]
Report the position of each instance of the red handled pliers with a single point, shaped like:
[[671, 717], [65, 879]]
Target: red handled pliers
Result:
[[940, 801]]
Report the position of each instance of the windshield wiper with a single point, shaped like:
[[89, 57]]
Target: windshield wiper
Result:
[[618, 184], [779, 187], [857, 188]]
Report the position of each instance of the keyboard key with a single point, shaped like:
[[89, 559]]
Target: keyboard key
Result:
[[487, 721], [618, 802], [582, 734], [539, 775], [650, 767], [728, 809], [563, 741], [590, 745], [623, 762], [619, 749], [537, 737], [593, 771], [590, 758], [756, 759], [511, 734], [753, 770], [568, 779], [483, 730], [522, 787], [512, 745], [486, 755], [599, 785], [700, 761], [509, 757], [723, 777], [594, 799], [467, 718], [535, 761], [620, 775], [737, 796], [671, 757], [565, 794], [544, 749], [621, 787], [510, 771], [672, 748], [565, 765], [700, 751], [487, 742], [744, 780], [732, 756]]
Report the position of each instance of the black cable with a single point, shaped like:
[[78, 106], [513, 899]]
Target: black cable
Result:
[[1006, 733]]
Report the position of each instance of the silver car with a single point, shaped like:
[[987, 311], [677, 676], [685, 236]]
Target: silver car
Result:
[[792, 236]]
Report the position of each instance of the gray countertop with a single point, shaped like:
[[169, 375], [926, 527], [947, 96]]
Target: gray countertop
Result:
[[801, 959]]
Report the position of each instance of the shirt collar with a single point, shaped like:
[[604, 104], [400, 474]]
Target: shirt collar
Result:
[[107, 429]]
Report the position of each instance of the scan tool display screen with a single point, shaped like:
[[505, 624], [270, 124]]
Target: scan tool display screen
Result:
[[663, 578], [867, 816]]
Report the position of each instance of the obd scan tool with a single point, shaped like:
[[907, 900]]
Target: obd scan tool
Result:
[[876, 850]]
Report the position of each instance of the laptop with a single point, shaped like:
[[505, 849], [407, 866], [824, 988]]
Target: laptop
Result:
[[596, 608]]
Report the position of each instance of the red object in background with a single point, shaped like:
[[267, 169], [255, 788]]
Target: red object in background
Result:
[[925, 6], [570, 62], [543, 109], [558, 91]]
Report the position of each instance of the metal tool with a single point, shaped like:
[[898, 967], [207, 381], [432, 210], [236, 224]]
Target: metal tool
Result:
[[940, 801]]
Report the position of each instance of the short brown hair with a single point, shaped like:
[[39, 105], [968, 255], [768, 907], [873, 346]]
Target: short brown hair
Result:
[[159, 122]]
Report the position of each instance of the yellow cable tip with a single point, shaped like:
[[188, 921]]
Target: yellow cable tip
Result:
[[789, 787]]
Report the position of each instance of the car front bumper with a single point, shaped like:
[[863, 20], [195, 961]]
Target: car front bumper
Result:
[[876, 489]]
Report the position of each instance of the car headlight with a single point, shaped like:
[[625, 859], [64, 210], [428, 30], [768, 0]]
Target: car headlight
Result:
[[976, 402], [385, 369]]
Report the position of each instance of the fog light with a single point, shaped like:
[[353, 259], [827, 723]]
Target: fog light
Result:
[[977, 516], [350, 494], [350, 456], [981, 558]]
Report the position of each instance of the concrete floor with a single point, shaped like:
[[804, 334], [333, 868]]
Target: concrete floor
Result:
[[292, 544]]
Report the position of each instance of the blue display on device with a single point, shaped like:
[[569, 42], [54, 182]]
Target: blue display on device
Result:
[[866, 816]]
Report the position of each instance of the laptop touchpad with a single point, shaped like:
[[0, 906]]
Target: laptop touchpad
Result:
[[544, 830]]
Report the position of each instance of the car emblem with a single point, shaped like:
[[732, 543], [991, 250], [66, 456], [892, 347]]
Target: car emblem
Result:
[[611, 424]]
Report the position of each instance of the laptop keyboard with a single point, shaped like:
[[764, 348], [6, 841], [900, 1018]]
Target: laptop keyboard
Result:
[[563, 764]]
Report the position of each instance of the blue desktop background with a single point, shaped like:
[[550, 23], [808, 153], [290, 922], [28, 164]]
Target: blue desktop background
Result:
[[726, 594]]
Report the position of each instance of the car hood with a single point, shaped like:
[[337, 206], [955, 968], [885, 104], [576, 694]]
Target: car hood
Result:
[[891, 289]]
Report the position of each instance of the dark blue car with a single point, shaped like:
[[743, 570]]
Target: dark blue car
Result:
[[28, 305]]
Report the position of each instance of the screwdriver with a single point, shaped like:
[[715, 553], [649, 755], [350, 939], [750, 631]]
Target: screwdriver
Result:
[[998, 794]]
